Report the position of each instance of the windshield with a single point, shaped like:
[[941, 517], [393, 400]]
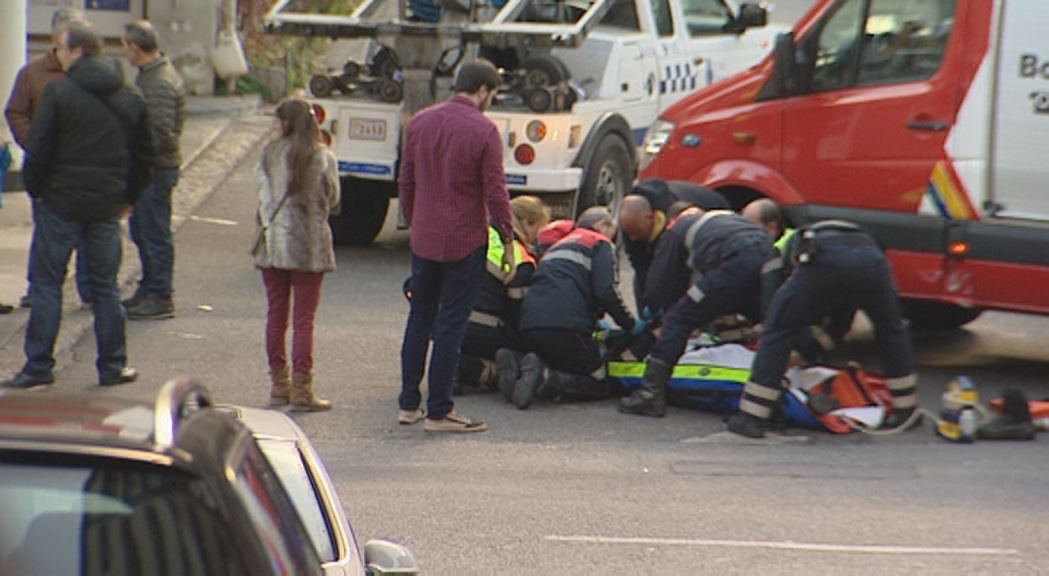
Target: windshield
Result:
[[113, 518], [286, 459]]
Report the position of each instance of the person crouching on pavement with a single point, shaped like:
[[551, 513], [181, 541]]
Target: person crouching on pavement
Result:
[[825, 266], [493, 322], [575, 285], [293, 248]]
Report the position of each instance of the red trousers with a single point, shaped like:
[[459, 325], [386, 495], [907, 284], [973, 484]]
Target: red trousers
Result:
[[281, 285]]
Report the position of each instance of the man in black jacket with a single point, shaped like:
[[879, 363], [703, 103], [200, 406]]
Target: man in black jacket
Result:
[[87, 161], [574, 286]]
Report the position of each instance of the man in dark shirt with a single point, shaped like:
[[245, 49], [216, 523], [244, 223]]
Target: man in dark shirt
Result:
[[451, 182], [87, 161]]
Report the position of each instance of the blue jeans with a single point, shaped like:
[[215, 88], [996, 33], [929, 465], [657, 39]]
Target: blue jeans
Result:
[[443, 295], [150, 225], [53, 241], [83, 280]]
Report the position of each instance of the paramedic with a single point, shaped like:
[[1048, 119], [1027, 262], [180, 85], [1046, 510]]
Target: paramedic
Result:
[[574, 286], [824, 265], [725, 254], [645, 212]]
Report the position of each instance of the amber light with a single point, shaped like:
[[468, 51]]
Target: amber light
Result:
[[958, 249], [524, 154], [318, 113], [746, 138]]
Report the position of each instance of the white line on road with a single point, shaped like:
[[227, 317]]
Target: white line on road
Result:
[[222, 221], [797, 546]]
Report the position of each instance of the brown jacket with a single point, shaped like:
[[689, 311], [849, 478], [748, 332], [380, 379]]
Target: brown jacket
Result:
[[28, 92], [297, 235]]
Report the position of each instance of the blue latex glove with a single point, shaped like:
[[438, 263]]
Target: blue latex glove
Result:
[[604, 326], [639, 327], [648, 314]]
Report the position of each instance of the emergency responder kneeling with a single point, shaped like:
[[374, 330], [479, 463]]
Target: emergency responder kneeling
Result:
[[822, 267], [574, 286], [725, 254], [493, 321]]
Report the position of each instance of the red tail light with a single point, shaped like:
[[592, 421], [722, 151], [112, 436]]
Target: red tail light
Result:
[[524, 154], [318, 113]]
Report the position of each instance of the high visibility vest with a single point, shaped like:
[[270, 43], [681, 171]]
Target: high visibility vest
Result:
[[496, 250]]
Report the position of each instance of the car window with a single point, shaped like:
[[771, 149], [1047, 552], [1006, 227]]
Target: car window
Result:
[[897, 41], [300, 485], [288, 545], [623, 15], [101, 516], [705, 17], [661, 16]]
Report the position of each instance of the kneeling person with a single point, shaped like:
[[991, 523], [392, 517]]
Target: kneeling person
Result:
[[574, 286]]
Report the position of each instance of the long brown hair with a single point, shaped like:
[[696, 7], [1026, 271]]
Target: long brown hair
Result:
[[301, 130]]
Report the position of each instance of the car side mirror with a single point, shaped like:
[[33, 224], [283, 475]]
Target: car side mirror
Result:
[[752, 16], [382, 558], [784, 66]]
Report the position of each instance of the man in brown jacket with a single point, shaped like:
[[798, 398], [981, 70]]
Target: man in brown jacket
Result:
[[25, 99]]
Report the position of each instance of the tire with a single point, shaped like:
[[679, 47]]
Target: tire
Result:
[[544, 70], [364, 207], [609, 175], [926, 315], [321, 86]]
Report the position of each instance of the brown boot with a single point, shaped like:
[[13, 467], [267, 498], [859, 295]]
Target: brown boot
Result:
[[280, 392], [302, 396]]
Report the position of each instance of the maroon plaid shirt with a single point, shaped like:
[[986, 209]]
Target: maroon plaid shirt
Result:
[[452, 182]]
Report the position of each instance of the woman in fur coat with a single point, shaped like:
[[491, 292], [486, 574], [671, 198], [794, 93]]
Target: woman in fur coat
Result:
[[299, 188]]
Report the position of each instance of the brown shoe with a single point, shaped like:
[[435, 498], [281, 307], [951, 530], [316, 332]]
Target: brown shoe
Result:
[[280, 391], [302, 397], [455, 422]]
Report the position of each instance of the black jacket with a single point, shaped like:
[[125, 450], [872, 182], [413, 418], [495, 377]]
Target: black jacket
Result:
[[661, 194], [575, 285], [668, 276], [90, 151]]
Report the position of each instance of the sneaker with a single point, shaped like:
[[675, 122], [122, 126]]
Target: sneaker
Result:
[[747, 425], [126, 375], [135, 299], [23, 381], [152, 309], [409, 417], [6, 309], [455, 422]]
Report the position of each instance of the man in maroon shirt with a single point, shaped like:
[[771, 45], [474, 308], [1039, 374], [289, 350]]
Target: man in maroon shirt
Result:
[[452, 186]]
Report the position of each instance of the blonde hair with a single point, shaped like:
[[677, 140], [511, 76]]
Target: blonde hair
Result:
[[528, 209]]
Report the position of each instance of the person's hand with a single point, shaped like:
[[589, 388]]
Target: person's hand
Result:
[[126, 211], [639, 327], [603, 325], [649, 315], [509, 266]]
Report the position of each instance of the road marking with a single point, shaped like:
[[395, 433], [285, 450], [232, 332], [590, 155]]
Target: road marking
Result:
[[222, 221], [786, 545]]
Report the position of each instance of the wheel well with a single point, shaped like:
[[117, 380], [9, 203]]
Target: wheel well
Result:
[[739, 196]]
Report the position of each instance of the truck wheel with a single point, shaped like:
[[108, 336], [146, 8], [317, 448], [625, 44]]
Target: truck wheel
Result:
[[321, 86], [544, 70], [926, 315], [364, 207], [608, 177]]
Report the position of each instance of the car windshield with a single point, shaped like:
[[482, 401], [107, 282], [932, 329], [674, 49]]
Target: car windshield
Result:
[[101, 516], [286, 459]]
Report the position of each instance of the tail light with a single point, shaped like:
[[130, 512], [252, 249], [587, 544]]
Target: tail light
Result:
[[524, 154], [319, 114]]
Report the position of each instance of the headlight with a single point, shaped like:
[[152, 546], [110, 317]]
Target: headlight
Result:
[[657, 136]]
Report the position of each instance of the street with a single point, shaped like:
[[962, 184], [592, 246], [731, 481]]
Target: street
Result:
[[579, 488]]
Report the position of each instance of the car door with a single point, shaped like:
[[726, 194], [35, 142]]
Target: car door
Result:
[[879, 99]]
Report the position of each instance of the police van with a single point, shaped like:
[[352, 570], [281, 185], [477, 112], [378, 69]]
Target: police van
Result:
[[925, 121], [583, 80]]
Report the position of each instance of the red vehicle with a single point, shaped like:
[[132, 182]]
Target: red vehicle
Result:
[[922, 120]]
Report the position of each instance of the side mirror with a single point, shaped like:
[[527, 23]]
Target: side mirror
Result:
[[752, 16], [382, 557], [782, 83]]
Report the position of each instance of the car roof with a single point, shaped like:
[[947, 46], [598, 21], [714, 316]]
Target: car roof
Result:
[[266, 423], [75, 418]]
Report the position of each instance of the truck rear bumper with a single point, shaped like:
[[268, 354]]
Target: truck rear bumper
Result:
[[532, 181]]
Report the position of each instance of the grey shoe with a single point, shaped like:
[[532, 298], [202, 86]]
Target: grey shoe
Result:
[[526, 389], [409, 417], [152, 309], [455, 422], [508, 365]]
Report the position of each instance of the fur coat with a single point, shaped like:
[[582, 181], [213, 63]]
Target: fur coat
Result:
[[299, 237]]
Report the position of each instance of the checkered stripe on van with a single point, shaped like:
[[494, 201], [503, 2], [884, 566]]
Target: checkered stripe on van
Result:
[[679, 77]]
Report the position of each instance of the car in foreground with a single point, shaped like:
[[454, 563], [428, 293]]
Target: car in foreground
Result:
[[306, 480], [96, 484]]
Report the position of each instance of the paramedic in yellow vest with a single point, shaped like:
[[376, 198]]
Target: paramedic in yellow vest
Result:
[[824, 265], [494, 318]]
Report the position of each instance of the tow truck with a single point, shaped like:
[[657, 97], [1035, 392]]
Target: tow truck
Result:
[[583, 81]]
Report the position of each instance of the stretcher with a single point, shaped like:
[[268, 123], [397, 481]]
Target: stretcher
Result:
[[711, 378]]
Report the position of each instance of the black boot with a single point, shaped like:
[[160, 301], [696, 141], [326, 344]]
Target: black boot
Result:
[[533, 374], [508, 365], [574, 385], [468, 373], [650, 398], [1014, 423], [748, 425]]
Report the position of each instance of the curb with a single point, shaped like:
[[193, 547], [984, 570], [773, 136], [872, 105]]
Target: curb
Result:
[[202, 173]]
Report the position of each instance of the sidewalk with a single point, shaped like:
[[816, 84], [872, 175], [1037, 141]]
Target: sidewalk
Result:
[[218, 134]]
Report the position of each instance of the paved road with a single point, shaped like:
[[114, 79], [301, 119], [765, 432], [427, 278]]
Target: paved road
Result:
[[580, 489]]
